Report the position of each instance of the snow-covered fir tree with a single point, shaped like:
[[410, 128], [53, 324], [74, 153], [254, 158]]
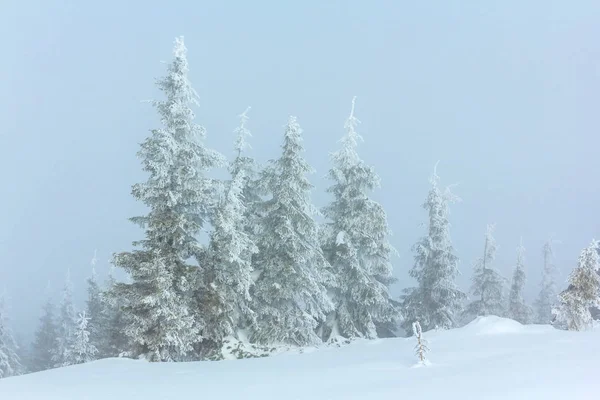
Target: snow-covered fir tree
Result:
[[248, 167], [65, 324], [10, 364], [228, 266], [116, 343], [80, 349], [289, 297], [488, 284], [45, 340], [95, 312], [355, 242], [180, 198], [583, 292], [421, 347], [517, 308], [437, 300], [548, 292]]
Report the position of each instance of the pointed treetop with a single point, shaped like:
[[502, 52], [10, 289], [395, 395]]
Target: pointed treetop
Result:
[[242, 132], [93, 263], [179, 50]]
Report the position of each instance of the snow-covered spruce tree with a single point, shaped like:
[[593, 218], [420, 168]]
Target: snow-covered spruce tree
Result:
[[248, 166], [436, 301], [583, 292], [289, 297], [488, 284], [547, 296], [96, 313], [228, 270], [65, 324], [46, 337], [180, 198], [80, 350], [116, 343], [355, 242], [10, 364], [421, 347], [517, 308]]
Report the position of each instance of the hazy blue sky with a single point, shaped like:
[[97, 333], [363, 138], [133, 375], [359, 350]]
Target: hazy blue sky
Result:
[[504, 93]]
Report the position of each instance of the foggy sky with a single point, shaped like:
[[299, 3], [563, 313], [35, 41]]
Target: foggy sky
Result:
[[504, 94]]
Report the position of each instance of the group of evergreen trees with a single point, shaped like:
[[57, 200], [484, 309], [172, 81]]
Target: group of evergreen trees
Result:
[[270, 275]]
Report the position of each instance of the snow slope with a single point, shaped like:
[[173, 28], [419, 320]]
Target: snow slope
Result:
[[491, 358]]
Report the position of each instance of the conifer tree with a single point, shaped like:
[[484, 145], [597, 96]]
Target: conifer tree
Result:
[[583, 292], [95, 312], [116, 343], [228, 267], [46, 337], [437, 300], [180, 198], [421, 347], [547, 296], [488, 284], [10, 364], [355, 242], [289, 297], [65, 324], [517, 308], [80, 349]]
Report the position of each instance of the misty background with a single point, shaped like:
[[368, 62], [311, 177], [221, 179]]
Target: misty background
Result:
[[504, 94]]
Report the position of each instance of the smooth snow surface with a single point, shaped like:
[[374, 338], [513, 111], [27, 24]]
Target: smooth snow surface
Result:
[[491, 358]]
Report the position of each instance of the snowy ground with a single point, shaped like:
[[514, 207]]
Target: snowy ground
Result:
[[491, 358]]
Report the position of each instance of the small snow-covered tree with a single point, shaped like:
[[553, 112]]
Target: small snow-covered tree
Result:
[[437, 300], [10, 364], [517, 308], [46, 337], [355, 242], [65, 324], [96, 311], [80, 350], [289, 296], [421, 347], [228, 268], [583, 292], [547, 295], [116, 343], [488, 284], [181, 199]]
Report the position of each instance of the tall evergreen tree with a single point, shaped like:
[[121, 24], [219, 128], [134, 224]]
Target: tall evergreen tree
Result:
[[180, 198], [583, 292], [517, 308], [547, 296], [248, 167], [46, 337], [228, 266], [355, 242], [65, 324], [10, 364], [290, 297], [488, 284], [437, 300], [80, 349]]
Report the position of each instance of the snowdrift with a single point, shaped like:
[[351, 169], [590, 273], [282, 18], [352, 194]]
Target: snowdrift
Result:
[[491, 358]]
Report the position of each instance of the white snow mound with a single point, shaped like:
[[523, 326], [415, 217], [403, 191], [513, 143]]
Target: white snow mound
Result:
[[493, 325], [491, 358]]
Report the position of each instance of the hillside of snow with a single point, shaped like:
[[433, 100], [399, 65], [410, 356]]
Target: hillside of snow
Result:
[[491, 358]]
